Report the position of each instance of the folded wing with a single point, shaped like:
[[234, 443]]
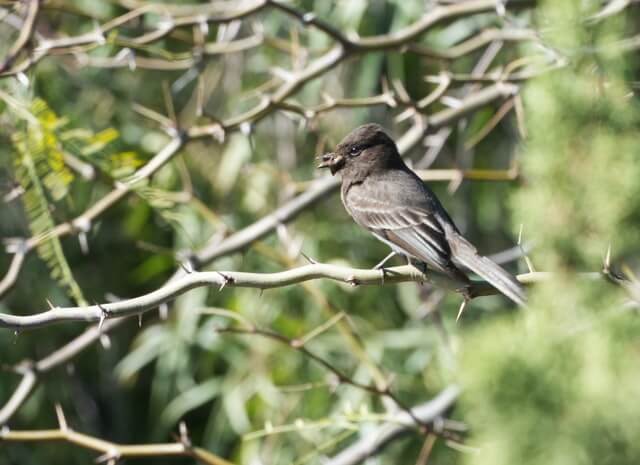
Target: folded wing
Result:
[[407, 229]]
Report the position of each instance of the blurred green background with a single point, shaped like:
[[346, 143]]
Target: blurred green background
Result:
[[556, 383]]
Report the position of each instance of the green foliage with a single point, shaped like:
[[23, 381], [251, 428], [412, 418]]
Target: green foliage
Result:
[[41, 171], [555, 385]]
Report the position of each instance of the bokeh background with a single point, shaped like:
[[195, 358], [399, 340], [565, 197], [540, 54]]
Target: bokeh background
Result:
[[555, 168]]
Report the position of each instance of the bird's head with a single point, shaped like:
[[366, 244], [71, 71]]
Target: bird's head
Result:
[[365, 149]]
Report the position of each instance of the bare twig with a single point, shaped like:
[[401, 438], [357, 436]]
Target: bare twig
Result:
[[112, 451], [371, 443], [26, 31], [178, 286]]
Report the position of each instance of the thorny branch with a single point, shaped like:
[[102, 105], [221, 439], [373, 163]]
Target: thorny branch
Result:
[[30, 47], [371, 443], [111, 451], [222, 279]]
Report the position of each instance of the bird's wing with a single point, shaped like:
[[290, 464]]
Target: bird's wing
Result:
[[413, 230]]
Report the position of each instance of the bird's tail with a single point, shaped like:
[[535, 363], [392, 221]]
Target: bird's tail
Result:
[[466, 255]]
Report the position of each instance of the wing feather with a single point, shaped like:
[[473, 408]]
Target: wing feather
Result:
[[413, 231]]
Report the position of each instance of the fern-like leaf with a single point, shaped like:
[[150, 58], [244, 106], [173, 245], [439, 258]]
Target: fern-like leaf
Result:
[[40, 170]]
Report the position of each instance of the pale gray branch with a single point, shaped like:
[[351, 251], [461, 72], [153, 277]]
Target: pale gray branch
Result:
[[178, 286], [373, 442]]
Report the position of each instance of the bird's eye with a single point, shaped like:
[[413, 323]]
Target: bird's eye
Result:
[[355, 150]]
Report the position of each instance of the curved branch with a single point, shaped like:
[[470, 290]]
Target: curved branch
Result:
[[12, 273], [31, 371], [176, 287], [374, 441], [20, 394], [26, 32], [113, 451]]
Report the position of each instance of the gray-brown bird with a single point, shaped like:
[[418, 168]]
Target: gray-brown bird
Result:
[[384, 196]]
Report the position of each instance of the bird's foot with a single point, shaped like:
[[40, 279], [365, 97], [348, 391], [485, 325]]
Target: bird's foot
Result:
[[420, 266]]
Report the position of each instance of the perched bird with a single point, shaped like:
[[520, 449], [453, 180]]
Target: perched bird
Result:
[[384, 196]]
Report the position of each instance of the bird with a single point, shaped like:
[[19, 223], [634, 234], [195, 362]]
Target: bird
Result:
[[384, 196]]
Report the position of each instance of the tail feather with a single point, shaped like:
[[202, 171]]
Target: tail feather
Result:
[[465, 254]]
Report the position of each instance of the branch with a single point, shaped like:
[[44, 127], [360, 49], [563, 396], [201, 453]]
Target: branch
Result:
[[344, 46], [472, 44], [12, 273], [113, 451], [311, 19], [26, 32], [345, 49], [436, 15], [374, 441], [178, 286], [31, 371]]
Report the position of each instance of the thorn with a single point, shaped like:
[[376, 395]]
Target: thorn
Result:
[[105, 342], [62, 421], [463, 305], [184, 435], [203, 25], [525, 256], [451, 102], [139, 320], [520, 234], [100, 38], [84, 243], [309, 259], [405, 115], [103, 316], [438, 424], [131, 61], [246, 128], [607, 259], [268, 426], [388, 383], [163, 311], [348, 408], [390, 100], [187, 266], [23, 79], [110, 457], [352, 280], [333, 382], [51, 306], [328, 99], [280, 73], [225, 280]]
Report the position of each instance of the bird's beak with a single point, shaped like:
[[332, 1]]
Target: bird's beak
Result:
[[330, 160]]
